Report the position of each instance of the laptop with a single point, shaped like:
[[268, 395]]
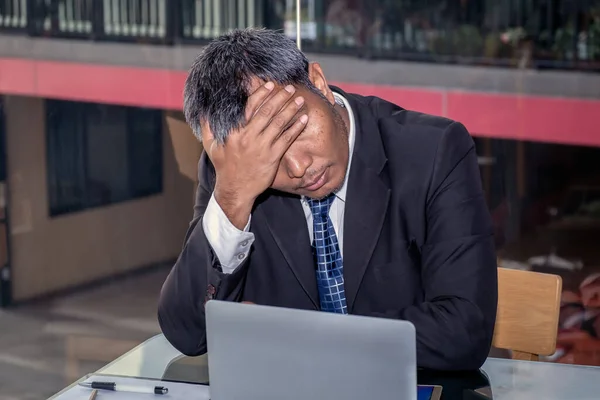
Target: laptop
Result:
[[261, 352]]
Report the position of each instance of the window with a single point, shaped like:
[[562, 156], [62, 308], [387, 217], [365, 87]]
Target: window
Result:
[[101, 154]]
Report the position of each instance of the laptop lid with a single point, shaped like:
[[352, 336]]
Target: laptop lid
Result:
[[262, 352]]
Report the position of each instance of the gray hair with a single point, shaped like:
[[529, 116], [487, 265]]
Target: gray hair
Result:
[[217, 87]]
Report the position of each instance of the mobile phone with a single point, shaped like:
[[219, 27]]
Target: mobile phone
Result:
[[429, 392]]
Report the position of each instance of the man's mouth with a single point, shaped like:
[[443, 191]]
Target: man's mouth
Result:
[[317, 182]]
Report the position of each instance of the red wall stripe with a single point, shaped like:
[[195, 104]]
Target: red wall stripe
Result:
[[509, 116], [17, 77]]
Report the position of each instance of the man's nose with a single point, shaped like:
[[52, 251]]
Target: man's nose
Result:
[[296, 163]]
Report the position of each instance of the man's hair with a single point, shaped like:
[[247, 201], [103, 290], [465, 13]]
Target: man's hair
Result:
[[217, 87]]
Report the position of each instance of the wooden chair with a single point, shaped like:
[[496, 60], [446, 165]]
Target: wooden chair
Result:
[[528, 311]]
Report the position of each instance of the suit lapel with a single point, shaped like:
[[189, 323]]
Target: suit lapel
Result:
[[366, 207], [286, 220], [367, 199]]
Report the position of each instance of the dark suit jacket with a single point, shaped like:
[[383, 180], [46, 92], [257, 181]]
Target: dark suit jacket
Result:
[[418, 243]]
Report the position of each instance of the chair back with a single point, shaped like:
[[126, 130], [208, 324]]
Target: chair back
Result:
[[528, 311]]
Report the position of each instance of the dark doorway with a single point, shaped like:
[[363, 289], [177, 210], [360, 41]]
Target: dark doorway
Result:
[[5, 275]]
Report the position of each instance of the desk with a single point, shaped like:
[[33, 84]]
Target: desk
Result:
[[508, 379]]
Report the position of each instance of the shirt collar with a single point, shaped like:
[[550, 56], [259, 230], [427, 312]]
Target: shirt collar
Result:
[[341, 193]]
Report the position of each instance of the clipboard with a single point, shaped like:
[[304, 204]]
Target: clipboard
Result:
[[177, 390]]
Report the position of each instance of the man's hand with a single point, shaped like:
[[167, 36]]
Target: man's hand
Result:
[[247, 164]]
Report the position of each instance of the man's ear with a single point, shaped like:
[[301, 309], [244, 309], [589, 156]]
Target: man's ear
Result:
[[317, 77]]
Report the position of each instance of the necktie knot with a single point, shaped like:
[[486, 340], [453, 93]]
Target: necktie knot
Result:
[[320, 207]]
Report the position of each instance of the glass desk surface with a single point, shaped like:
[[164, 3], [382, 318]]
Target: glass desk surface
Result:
[[507, 379]]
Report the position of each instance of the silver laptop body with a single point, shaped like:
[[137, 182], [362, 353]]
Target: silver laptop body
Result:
[[263, 353]]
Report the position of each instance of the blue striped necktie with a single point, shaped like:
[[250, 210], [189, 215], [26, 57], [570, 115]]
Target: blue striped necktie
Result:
[[330, 270]]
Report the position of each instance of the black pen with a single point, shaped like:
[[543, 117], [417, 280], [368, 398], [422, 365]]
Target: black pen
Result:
[[121, 387]]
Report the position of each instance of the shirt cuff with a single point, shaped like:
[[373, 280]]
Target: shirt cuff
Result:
[[231, 246]]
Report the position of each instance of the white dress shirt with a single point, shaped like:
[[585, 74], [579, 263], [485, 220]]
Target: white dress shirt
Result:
[[232, 246]]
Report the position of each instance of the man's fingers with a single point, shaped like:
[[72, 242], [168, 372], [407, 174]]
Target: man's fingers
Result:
[[270, 108], [284, 120], [285, 140], [257, 98]]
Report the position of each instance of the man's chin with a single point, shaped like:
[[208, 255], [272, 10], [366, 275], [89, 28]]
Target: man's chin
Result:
[[325, 191]]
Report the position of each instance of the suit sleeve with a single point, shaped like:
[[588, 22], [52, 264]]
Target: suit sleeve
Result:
[[455, 323], [195, 278]]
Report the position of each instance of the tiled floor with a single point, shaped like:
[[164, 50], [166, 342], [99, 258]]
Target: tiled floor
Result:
[[34, 339]]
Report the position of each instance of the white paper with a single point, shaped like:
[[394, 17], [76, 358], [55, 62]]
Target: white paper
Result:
[[177, 390]]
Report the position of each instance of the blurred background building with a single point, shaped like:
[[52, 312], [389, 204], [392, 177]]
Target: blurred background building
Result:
[[95, 163]]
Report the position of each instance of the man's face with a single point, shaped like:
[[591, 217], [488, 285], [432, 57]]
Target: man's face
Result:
[[315, 164]]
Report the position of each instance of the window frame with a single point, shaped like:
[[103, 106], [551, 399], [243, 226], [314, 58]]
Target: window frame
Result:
[[79, 114]]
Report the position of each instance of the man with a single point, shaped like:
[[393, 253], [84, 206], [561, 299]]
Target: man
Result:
[[317, 199]]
